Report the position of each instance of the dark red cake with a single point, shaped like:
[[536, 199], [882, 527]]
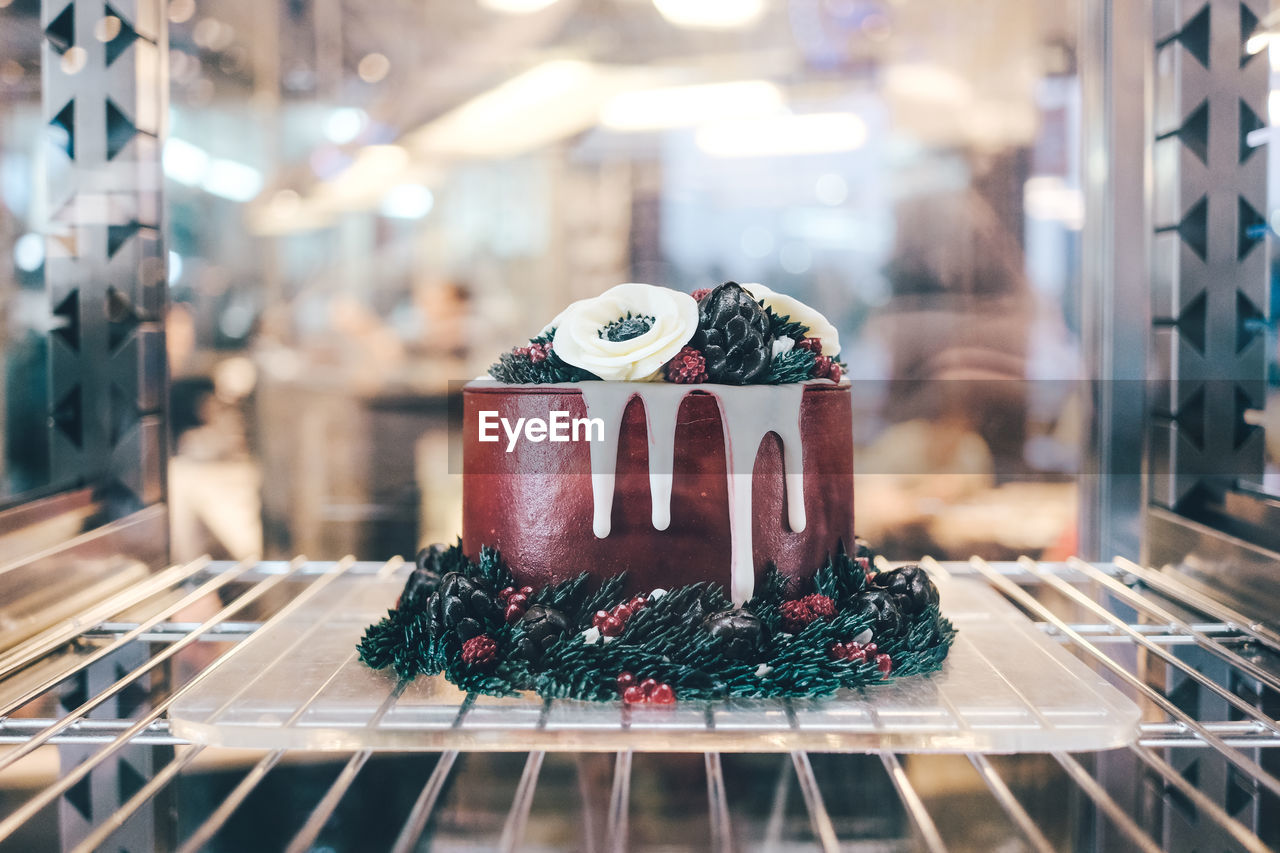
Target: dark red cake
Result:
[[535, 503]]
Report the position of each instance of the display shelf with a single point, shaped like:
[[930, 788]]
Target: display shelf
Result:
[[1005, 687]]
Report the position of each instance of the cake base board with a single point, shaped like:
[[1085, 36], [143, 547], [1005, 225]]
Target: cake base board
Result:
[[1005, 687]]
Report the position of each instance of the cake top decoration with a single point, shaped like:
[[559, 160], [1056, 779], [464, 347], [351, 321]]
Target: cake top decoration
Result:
[[733, 334]]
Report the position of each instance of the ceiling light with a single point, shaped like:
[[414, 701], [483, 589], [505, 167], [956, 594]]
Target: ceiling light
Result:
[[180, 11], [711, 14], [781, 136], [373, 67], [516, 7], [546, 103], [407, 201], [184, 162], [232, 181], [28, 252], [344, 124], [374, 171], [677, 106]]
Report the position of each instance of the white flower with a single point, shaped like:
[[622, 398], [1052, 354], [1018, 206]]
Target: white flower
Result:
[[788, 306], [783, 345], [591, 636], [661, 322]]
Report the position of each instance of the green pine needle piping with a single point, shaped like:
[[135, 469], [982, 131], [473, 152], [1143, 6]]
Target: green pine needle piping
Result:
[[665, 640]]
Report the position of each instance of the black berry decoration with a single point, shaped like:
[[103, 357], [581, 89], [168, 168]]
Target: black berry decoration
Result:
[[733, 336], [423, 580], [910, 587], [542, 627], [881, 609], [739, 632], [463, 606]]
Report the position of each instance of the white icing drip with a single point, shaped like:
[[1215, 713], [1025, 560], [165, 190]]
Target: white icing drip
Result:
[[747, 415], [746, 420], [661, 407], [607, 401], [793, 464]]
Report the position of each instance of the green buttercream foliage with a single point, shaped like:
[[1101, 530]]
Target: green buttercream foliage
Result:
[[784, 327], [665, 640], [517, 368], [795, 365]]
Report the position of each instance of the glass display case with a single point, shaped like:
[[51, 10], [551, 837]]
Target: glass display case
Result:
[[247, 252]]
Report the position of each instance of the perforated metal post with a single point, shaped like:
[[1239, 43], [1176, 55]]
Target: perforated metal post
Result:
[[1208, 303], [1208, 258], [105, 83], [105, 100]]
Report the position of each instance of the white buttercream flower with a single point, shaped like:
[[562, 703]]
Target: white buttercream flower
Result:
[[788, 306], [626, 333]]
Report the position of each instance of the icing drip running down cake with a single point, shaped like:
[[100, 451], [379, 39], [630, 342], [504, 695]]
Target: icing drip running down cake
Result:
[[658, 504]]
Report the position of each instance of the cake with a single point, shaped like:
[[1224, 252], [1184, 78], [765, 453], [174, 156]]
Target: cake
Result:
[[658, 504]]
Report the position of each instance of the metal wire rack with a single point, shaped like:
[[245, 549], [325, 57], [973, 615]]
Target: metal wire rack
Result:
[[91, 694]]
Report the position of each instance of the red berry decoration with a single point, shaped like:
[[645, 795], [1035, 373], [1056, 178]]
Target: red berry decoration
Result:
[[820, 606], [539, 352], [662, 695], [648, 691], [813, 345], [526, 591], [825, 367], [519, 600], [838, 651], [795, 615], [802, 611], [700, 294], [612, 627], [622, 613], [638, 603], [505, 595], [688, 367], [480, 652], [885, 664], [598, 620], [512, 614]]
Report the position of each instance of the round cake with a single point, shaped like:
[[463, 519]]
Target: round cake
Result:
[[658, 506], [687, 486]]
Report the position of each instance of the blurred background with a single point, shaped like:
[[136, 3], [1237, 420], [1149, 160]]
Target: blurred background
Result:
[[366, 201]]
